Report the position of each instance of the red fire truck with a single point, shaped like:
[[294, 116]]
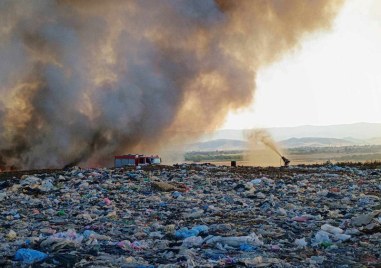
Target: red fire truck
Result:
[[135, 160]]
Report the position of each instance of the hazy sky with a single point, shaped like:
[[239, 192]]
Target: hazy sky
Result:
[[332, 78]]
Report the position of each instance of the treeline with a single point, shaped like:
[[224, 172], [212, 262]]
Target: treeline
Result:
[[214, 156], [368, 149]]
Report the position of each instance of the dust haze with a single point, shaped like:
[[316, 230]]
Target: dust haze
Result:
[[263, 149]]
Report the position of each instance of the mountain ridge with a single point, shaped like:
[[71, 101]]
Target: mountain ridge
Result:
[[360, 131], [233, 144]]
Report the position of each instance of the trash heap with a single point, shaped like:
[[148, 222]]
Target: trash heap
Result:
[[192, 216]]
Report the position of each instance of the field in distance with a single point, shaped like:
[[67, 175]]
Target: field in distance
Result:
[[301, 155]]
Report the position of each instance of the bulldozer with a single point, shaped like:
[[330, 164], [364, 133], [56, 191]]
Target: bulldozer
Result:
[[285, 161]]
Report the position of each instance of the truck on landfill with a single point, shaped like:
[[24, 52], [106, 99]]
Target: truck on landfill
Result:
[[135, 160]]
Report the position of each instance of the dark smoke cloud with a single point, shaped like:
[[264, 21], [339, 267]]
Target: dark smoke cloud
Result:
[[83, 80]]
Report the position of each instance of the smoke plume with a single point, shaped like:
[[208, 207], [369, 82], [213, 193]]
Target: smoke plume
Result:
[[261, 136], [83, 80]]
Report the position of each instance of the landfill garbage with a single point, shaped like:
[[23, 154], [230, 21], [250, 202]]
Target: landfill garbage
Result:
[[192, 241], [300, 219], [176, 194], [166, 187], [251, 239], [192, 215], [107, 201], [247, 247], [256, 181], [341, 237], [11, 235], [364, 219], [322, 237], [331, 229], [301, 242], [317, 259]]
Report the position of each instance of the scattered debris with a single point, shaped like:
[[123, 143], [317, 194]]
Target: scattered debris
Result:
[[192, 215]]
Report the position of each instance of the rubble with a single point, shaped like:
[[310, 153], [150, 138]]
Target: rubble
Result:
[[192, 216]]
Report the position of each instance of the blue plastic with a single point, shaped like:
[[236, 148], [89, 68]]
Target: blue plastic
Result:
[[215, 256], [176, 194], [132, 175], [256, 181], [247, 247], [29, 256], [200, 228], [163, 204], [195, 231], [185, 232], [88, 233]]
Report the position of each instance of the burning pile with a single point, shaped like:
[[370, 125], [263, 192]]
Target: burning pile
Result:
[[83, 80]]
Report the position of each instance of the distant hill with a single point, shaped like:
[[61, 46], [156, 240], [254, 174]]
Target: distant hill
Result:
[[290, 137], [229, 144], [357, 131], [218, 145], [314, 142], [375, 141]]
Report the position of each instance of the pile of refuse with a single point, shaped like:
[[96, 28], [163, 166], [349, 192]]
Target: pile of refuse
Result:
[[192, 216]]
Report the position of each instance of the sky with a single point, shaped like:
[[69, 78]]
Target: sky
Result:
[[333, 77]]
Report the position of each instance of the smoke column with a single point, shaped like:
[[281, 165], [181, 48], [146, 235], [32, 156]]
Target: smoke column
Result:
[[83, 80]]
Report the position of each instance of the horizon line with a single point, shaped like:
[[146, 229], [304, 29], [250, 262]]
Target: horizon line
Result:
[[296, 126]]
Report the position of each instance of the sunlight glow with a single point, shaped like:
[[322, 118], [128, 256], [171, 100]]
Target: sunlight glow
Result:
[[332, 78]]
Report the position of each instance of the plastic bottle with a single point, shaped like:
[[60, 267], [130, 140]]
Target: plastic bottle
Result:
[[331, 229]]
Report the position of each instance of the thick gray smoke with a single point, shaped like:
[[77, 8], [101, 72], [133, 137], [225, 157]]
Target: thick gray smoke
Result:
[[83, 80]]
